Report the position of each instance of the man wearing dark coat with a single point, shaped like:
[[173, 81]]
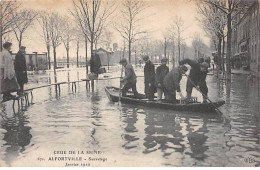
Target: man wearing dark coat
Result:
[[172, 83], [197, 77], [95, 63], [149, 78], [21, 69], [161, 72]]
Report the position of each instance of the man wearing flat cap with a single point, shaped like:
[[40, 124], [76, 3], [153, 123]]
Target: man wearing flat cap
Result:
[[197, 77], [129, 79], [8, 79], [21, 69], [149, 78], [161, 72]]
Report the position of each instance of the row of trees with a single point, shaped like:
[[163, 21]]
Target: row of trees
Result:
[[217, 18], [90, 21]]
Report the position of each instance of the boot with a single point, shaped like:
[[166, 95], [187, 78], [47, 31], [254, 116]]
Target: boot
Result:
[[188, 97], [205, 99]]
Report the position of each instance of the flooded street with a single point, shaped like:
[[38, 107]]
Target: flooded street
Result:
[[128, 135]]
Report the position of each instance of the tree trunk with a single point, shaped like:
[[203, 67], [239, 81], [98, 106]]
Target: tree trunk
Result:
[[54, 56], [68, 58], [165, 47], [20, 40], [77, 54], [49, 58], [129, 51], [219, 53], [173, 59], [223, 55], [179, 51], [229, 32], [86, 47], [1, 39]]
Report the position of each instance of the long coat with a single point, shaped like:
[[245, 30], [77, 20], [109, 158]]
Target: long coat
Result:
[[95, 63], [161, 72], [196, 75], [172, 80], [149, 77], [20, 68]]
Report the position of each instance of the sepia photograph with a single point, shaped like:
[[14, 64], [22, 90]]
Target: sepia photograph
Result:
[[130, 83]]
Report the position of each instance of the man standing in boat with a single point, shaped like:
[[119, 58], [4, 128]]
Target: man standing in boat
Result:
[[149, 78], [130, 78], [172, 83], [161, 72], [197, 77]]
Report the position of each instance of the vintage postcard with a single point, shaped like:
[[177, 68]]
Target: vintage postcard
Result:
[[130, 83]]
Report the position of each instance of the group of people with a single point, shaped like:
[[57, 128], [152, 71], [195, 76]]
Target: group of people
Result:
[[13, 72], [167, 82]]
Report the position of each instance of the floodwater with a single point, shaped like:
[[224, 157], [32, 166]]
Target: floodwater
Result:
[[57, 125]]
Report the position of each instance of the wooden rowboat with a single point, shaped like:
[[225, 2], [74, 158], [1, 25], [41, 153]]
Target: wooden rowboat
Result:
[[113, 95]]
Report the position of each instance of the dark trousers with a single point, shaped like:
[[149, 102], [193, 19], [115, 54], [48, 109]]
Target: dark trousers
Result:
[[21, 84], [202, 86], [130, 85], [170, 96]]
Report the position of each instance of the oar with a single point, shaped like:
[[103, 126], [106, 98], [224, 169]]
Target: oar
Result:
[[120, 84], [202, 93]]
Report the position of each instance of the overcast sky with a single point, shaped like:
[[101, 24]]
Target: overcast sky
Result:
[[161, 14]]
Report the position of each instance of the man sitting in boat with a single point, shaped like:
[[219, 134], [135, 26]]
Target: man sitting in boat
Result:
[[161, 72], [129, 80], [171, 83], [197, 77]]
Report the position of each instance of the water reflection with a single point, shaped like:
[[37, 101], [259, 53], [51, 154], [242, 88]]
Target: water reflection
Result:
[[168, 133], [129, 118], [17, 135]]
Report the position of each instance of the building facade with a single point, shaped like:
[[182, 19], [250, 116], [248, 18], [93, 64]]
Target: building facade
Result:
[[246, 38]]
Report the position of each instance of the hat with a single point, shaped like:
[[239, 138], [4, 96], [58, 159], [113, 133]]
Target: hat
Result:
[[22, 47], [164, 60], [146, 57], [184, 68], [204, 64], [7, 44], [123, 60], [200, 60]]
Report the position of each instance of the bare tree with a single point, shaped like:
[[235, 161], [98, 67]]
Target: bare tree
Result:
[[129, 22], [214, 21], [231, 8], [107, 38], [67, 36], [92, 15], [24, 20], [197, 45], [8, 16], [44, 22], [55, 28], [178, 28]]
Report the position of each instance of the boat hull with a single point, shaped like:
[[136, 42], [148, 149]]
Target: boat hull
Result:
[[113, 95]]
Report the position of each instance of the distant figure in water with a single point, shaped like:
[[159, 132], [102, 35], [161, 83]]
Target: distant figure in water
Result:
[[129, 80]]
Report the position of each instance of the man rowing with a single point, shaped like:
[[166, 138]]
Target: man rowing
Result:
[[197, 77], [129, 79], [171, 83]]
